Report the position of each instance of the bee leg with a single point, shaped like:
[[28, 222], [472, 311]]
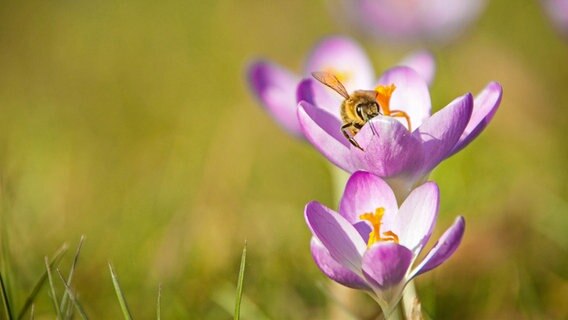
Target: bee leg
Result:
[[402, 114], [367, 120], [373, 129], [350, 138]]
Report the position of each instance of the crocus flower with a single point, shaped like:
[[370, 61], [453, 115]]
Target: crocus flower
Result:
[[276, 86], [411, 20], [390, 150], [372, 244], [557, 10]]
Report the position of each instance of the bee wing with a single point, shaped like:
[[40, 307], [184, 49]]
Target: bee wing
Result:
[[331, 81]]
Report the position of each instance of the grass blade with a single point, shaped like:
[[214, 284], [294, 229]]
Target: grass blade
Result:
[[158, 309], [72, 297], [120, 295], [5, 300], [6, 270], [64, 300], [224, 297], [39, 284], [240, 284], [52, 289]]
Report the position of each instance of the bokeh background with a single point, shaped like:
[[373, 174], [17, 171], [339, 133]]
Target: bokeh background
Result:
[[130, 122]]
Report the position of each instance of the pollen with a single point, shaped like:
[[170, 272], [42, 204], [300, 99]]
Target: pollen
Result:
[[341, 75], [375, 219], [384, 94]]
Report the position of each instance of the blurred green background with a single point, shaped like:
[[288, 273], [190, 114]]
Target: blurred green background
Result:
[[131, 122]]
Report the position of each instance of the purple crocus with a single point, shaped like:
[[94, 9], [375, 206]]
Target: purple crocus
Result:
[[557, 10], [390, 150], [276, 87], [411, 20], [372, 244]]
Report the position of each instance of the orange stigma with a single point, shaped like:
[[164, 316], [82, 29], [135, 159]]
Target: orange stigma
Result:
[[384, 94], [375, 219]]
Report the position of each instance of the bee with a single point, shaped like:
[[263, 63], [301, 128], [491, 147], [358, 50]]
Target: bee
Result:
[[360, 106]]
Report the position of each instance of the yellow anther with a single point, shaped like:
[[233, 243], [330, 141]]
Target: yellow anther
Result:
[[375, 219], [390, 236]]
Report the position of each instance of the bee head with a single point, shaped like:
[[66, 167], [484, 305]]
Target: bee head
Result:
[[367, 110]]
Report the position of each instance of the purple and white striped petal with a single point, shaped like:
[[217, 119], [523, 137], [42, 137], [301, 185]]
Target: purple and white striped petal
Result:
[[275, 87], [345, 58], [389, 149], [417, 216], [440, 133], [315, 93], [485, 106], [443, 249], [322, 130], [336, 234], [333, 269], [411, 94], [423, 63], [364, 193], [385, 264]]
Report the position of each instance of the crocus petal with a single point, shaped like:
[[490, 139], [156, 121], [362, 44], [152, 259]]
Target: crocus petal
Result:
[[440, 133], [344, 57], [364, 230], [411, 94], [365, 192], [336, 234], [389, 149], [333, 269], [443, 249], [323, 131], [423, 63], [385, 264], [275, 87], [484, 107], [417, 216], [315, 93]]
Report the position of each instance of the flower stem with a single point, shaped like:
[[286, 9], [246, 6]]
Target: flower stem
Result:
[[338, 181], [410, 303], [395, 314]]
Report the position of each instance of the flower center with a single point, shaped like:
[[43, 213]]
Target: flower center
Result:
[[375, 219], [342, 76], [384, 94]]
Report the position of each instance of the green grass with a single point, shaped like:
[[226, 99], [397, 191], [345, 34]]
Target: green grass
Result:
[[240, 281], [121, 299]]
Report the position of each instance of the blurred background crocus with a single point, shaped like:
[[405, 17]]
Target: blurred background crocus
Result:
[[410, 20], [279, 90], [557, 10]]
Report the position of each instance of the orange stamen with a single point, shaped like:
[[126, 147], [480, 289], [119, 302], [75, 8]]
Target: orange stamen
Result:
[[384, 94]]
